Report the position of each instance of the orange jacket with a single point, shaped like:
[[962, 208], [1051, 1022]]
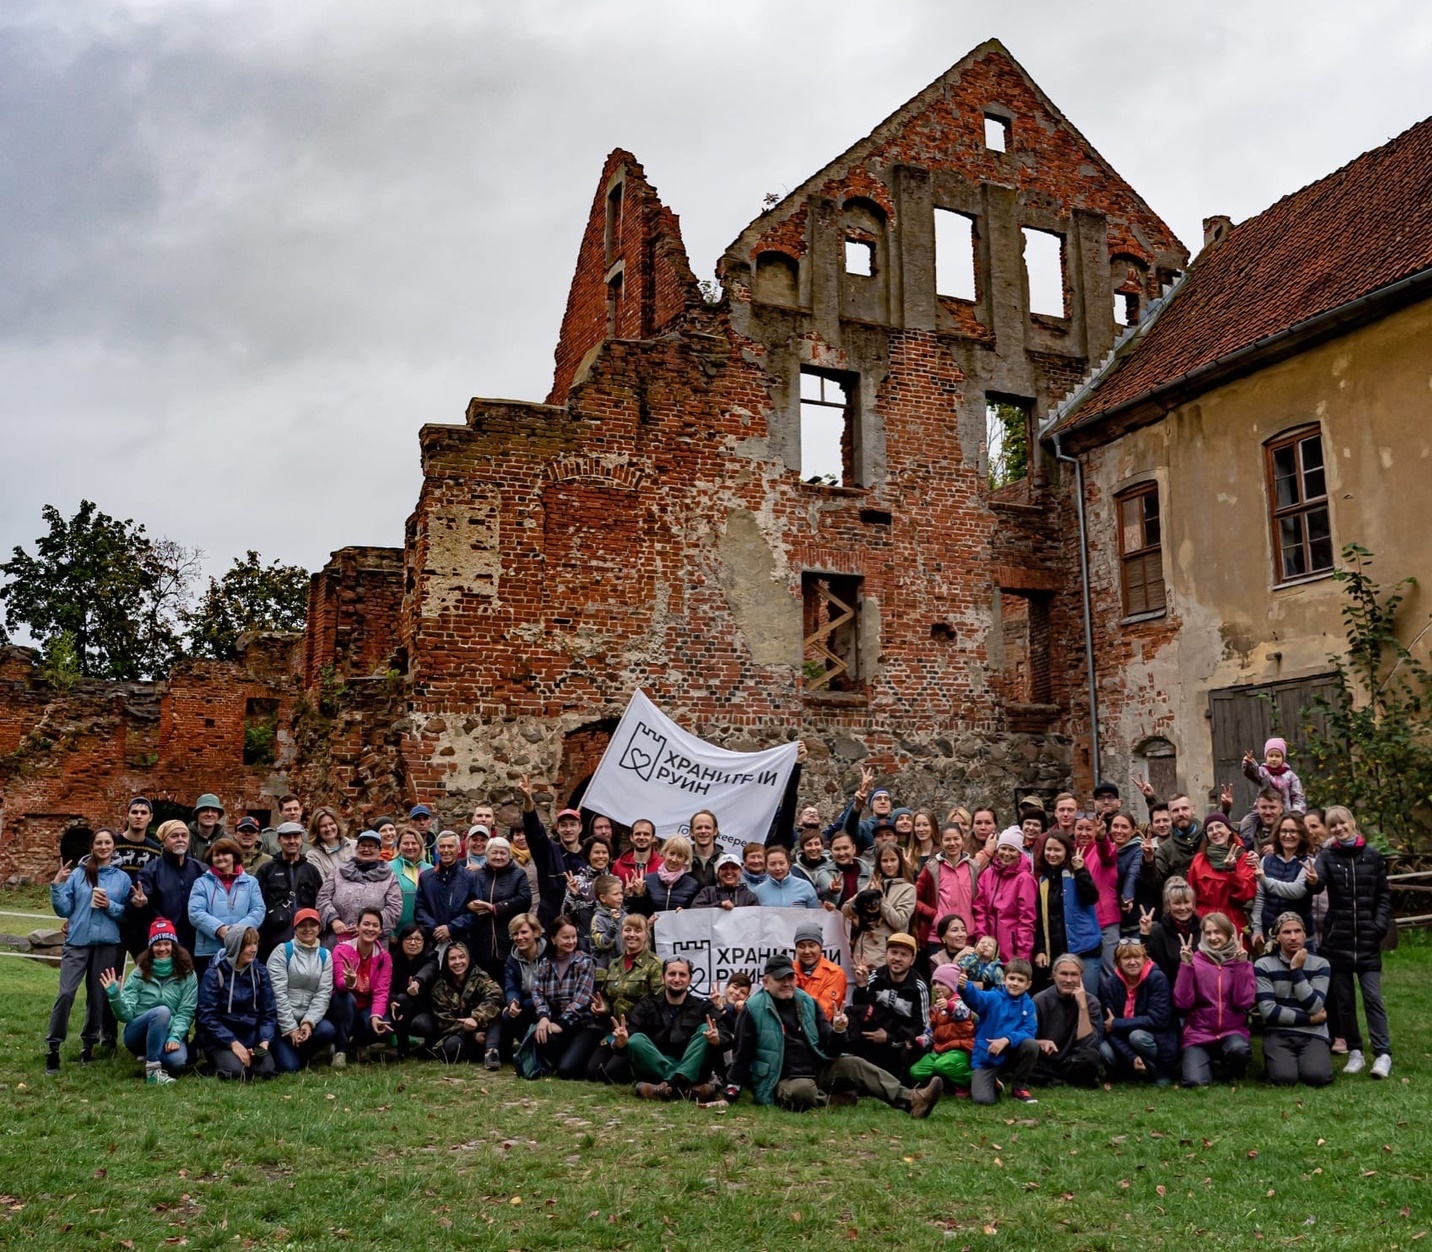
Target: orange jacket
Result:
[[825, 984]]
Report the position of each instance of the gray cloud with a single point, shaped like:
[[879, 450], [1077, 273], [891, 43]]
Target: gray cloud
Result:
[[251, 248]]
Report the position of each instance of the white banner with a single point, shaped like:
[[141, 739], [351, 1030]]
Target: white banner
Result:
[[718, 942], [654, 769]]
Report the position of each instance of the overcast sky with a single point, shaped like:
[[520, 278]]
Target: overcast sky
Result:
[[248, 249]]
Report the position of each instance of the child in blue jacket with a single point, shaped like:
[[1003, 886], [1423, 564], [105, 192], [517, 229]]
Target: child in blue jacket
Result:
[[1005, 1038]]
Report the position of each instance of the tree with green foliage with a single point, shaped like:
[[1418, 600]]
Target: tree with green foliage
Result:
[[1374, 753], [250, 596], [117, 593]]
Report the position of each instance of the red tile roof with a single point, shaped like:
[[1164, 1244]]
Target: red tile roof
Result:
[[1359, 229]]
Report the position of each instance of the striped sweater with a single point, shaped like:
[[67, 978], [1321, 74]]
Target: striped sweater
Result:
[[1288, 997]]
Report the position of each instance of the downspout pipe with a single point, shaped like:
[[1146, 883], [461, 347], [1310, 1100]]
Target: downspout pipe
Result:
[[1078, 465]]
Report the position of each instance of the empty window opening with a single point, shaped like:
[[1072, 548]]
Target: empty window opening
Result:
[[614, 221], [830, 606], [1044, 268], [860, 258], [614, 305], [996, 131], [1298, 494], [1141, 550], [1126, 308], [1007, 427], [827, 429], [260, 731], [1024, 622], [954, 255]]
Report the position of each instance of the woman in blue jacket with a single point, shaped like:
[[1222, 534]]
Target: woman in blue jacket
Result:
[[93, 899], [1140, 1035], [1065, 912], [238, 1018], [225, 897]]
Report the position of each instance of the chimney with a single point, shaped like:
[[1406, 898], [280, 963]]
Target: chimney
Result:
[[1215, 229]]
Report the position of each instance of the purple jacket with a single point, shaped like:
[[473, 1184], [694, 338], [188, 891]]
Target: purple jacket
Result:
[[1214, 998]]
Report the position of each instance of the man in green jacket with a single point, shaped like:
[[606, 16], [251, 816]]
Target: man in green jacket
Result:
[[790, 1054]]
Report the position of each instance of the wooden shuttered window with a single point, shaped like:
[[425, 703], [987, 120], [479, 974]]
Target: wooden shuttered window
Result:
[[1141, 550]]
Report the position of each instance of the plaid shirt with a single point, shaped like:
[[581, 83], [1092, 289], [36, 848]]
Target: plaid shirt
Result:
[[565, 998]]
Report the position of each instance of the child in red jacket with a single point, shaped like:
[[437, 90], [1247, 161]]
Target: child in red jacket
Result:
[[952, 1025]]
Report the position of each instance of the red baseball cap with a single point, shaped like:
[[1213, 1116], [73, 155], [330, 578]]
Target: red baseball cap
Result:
[[306, 915], [569, 813]]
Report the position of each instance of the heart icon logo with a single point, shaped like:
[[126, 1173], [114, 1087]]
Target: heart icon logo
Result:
[[637, 759]]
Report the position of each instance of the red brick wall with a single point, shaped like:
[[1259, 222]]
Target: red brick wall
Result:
[[92, 748], [657, 282]]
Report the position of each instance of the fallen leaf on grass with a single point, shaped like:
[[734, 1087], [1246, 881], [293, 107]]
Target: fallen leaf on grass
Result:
[[1162, 1190], [1252, 1154], [1124, 1184]]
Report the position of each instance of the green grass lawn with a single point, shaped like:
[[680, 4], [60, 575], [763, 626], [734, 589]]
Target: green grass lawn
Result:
[[419, 1156]]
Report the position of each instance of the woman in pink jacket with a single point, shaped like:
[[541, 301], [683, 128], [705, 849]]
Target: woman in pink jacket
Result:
[[1004, 899], [1101, 858], [946, 887], [1214, 990], [362, 979]]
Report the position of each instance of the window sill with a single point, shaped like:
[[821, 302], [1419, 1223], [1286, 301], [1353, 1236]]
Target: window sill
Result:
[[833, 489], [1304, 580], [1133, 619], [836, 699]]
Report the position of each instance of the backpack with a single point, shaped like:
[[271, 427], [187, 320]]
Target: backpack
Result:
[[288, 954]]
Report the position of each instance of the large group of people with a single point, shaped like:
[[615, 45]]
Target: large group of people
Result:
[[1074, 945]]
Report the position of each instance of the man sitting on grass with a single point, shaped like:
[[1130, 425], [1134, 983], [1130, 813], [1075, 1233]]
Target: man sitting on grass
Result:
[[673, 1038], [791, 1055]]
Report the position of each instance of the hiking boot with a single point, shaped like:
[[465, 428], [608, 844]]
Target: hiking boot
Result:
[[492, 1060], [1354, 1062], [1024, 1095], [52, 1063], [340, 1060], [1382, 1066], [703, 1092], [923, 1099], [681, 1086], [842, 1100], [653, 1091]]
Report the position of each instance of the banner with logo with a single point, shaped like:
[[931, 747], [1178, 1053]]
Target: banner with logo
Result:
[[718, 942], [654, 769]]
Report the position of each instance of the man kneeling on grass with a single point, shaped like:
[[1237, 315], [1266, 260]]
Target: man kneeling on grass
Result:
[[673, 1038], [791, 1055]]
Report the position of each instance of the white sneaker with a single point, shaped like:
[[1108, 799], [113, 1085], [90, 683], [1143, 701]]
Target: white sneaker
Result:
[[1382, 1066], [1354, 1062], [340, 1059]]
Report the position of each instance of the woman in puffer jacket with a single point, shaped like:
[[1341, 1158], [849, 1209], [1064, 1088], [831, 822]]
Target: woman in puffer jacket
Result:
[[1354, 875], [365, 882], [1004, 903], [501, 890], [156, 1004], [224, 899], [946, 886], [1285, 880], [301, 971], [1140, 1037], [1215, 988]]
